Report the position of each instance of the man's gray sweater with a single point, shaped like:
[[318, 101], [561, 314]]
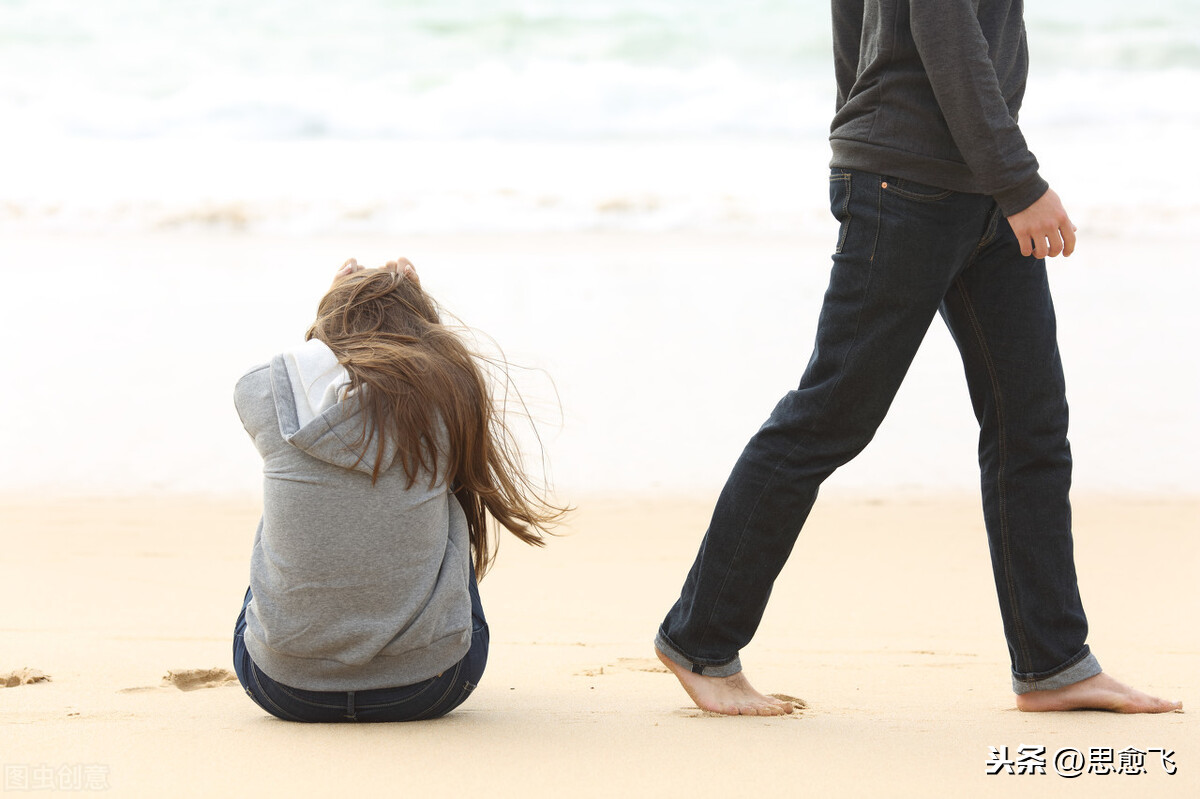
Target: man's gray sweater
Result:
[[929, 90], [355, 586]]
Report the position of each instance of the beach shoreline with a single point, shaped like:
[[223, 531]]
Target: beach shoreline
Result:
[[623, 344]]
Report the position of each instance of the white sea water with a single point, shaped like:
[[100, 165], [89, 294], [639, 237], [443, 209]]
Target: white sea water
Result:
[[165, 167], [407, 116]]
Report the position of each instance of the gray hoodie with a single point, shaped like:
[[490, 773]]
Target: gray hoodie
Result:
[[930, 91], [355, 586]]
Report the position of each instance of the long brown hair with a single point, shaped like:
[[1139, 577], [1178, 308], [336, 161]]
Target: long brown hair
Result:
[[413, 376]]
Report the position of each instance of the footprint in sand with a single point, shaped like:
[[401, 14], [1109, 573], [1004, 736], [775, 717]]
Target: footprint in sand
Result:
[[625, 665], [189, 680], [796, 701], [195, 679], [22, 677]]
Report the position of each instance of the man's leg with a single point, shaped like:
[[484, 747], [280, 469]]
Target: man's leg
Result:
[[900, 246], [1001, 314]]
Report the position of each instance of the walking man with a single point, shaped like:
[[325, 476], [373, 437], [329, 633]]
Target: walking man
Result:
[[942, 211]]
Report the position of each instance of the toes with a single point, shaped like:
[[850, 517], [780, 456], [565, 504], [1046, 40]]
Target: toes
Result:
[[1165, 706], [1137, 702]]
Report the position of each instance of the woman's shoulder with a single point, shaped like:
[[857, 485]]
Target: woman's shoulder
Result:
[[252, 395], [251, 379], [255, 370]]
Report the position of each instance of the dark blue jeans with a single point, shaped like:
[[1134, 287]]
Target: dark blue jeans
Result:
[[430, 699], [907, 252]]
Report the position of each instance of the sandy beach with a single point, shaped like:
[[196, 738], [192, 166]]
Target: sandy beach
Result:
[[884, 623], [631, 198]]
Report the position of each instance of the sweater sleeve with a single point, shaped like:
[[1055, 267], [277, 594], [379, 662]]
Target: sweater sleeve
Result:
[[954, 52], [847, 40]]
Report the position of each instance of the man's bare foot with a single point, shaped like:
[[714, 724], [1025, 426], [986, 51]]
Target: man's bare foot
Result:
[[732, 695], [1095, 693]]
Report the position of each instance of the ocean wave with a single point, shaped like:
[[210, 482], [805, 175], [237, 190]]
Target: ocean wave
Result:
[[537, 99], [466, 69]]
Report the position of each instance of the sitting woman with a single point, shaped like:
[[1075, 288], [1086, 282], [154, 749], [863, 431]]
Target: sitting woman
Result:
[[382, 457]]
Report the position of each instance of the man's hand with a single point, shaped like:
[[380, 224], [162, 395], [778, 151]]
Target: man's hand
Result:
[[1044, 228]]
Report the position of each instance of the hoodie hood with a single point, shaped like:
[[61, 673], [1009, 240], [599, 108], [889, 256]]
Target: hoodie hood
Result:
[[316, 413]]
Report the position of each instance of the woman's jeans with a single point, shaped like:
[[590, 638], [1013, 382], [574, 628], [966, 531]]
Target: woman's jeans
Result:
[[907, 252], [434, 697]]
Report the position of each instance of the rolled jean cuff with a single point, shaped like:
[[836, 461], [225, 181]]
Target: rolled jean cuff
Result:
[[725, 669], [1086, 666]]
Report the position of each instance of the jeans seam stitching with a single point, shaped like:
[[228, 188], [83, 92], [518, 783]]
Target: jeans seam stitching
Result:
[[1042, 676], [309, 702], [919, 198], [844, 232], [397, 703], [429, 712], [878, 225], [989, 232], [1002, 458], [254, 672]]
